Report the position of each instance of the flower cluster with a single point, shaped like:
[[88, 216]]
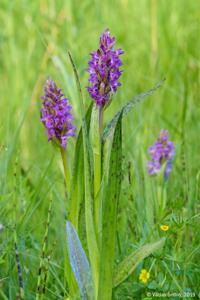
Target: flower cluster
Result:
[[104, 70], [55, 114], [161, 152]]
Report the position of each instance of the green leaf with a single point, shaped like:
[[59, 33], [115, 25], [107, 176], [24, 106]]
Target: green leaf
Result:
[[88, 182], [77, 187], [79, 263], [77, 192], [130, 263], [112, 193], [127, 108]]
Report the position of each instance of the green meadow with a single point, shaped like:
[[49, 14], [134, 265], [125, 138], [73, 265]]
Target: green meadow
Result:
[[161, 43]]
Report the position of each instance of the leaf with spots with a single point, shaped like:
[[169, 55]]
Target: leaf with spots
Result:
[[130, 263], [128, 107], [110, 203]]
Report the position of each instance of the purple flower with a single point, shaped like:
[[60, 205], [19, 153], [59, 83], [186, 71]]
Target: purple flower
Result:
[[55, 114], [104, 70], [161, 152], [153, 167]]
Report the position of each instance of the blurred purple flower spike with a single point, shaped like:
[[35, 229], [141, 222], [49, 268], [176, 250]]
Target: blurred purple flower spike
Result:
[[161, 152], [55, 114]]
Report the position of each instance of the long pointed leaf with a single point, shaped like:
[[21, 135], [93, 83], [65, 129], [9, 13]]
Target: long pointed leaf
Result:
[[109, 216], [77, 188], [76, 199], [79, 263], [130, 263], [127, 108], [88, 180]]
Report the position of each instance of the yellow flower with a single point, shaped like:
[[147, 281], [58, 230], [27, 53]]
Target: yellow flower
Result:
[[144, 275], [164, 227]]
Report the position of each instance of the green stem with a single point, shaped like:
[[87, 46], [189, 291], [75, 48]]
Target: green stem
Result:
[[161, 194], [98, 177], [66, 169], [100, 123]]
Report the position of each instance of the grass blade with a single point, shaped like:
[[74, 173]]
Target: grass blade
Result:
[[44, 247], [19, 270]]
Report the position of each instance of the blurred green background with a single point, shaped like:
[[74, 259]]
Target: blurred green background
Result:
[[161, 39]]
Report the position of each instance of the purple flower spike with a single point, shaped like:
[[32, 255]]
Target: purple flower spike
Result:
[[104, 70], [161, 152], [55, 114]]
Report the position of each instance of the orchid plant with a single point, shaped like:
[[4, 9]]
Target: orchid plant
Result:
[[95, 180]]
